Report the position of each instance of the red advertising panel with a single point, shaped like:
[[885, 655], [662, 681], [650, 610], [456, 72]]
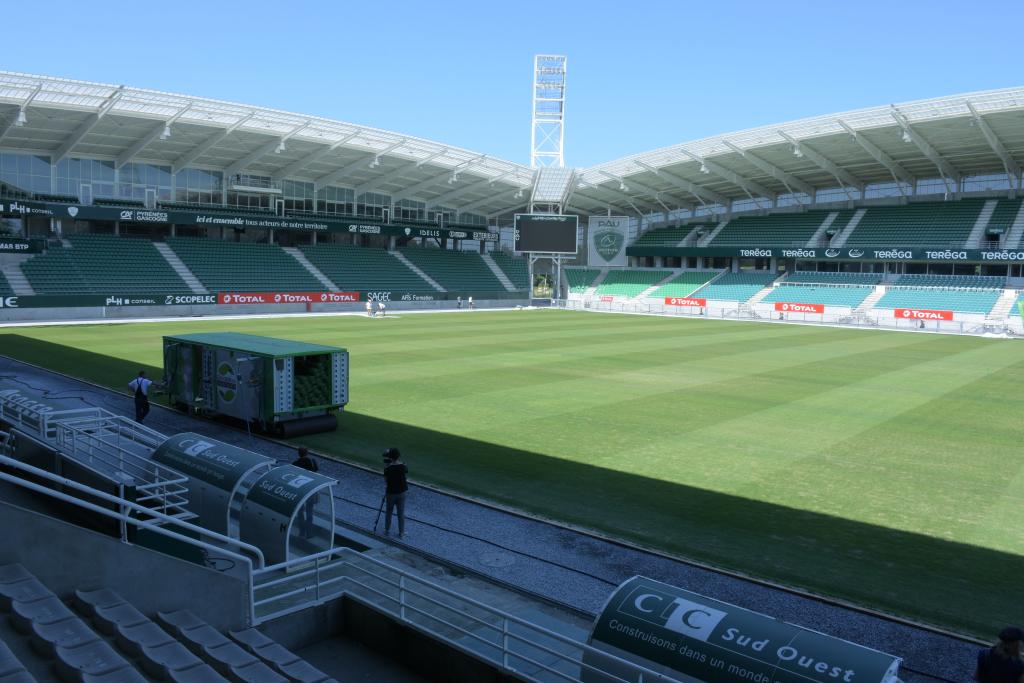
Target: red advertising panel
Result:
[[685, 301], [923, 314], [286, 297], [607, 298], [799, 308]]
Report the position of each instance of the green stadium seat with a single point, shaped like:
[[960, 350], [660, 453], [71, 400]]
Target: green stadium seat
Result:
[[805, 277], [629, 283], [665, 237], [971, 300], [936, 224], [581, 279], [515, 268], [784, 230], [684, 284], [243, 266], [456, 271], [352, 267], [736, 286], [836, 295], [5, 286]]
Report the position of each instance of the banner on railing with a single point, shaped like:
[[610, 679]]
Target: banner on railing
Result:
[[923, 314], [714, 641], [607, 299], [685, 301], [787, 307], [286, 297]]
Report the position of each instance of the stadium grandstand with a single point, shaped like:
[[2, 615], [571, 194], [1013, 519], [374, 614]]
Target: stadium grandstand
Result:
[[188, 549]]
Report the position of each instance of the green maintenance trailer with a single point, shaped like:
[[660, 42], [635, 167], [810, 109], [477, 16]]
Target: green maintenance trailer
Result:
[[282, 386]]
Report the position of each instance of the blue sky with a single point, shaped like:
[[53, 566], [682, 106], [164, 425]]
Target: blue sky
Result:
[[641, 74]]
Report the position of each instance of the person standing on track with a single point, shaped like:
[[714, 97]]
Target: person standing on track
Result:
[[140, 389], [369, 308], [1001, 663], [395, 473]]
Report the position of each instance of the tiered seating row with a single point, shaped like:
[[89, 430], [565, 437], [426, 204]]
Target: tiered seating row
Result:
[[630, 283], [929, 224], [515, 268], [829, 296], [1003, 217], [581, 279], [959, 300], [956, 281], [456, 271], [801, 276], [736, 286], [665, 237], [242, 266], [5, 286], [363, 268], [777, 229], [684, 284]]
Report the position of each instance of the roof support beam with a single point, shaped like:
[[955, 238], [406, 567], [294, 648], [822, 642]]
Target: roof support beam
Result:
[[207, 144], [491, 199], [650, 191], [146, 140], [701, 193], [410, 192], [950, 176], [252, 157], [87, 125], [792, 183], [899, 174], [753, 190], [842, 176], [623, 197], [337, 174], [1012, 169], [448, 196], [20, 115], [292, 168], [374, 185]]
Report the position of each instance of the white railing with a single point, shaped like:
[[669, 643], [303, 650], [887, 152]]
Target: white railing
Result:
[[249, 556], [470, 626]]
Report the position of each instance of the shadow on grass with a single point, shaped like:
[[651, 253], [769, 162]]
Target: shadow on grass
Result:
[[963, 587]]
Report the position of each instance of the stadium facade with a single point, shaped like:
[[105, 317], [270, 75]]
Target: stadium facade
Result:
[[925, 188]]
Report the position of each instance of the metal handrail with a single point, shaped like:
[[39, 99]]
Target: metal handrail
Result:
[[344, 554], [128, 505]]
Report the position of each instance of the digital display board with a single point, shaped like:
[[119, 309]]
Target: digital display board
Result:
[[546, 233]]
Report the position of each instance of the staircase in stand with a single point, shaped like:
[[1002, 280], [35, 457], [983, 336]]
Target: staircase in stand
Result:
[[819, 234], [978, 231], [1016, 231], [498, 273], [313, 270], [180, 268], [1004, 307], [871, 300], [839, 240], [10, 266], [592, 289], [714, 233], [414, 268], [647, 292]]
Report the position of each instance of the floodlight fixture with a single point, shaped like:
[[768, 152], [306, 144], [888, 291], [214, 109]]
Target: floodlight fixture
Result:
[[704, 168], [280, 147], [167, 132], [906, 136], [21, 120]]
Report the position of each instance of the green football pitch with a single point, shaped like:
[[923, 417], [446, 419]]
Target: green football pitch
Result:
[[879, 468]]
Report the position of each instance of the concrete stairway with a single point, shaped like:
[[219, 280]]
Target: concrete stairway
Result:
[[870, 301], [414, 268], [1004, 307], [978, 231], [1016, 231], [840, 239], [819, 234], [647, 292], [714, 233], [180, 268], [10, 266], [498, 273], [308, 265], [597, 281]]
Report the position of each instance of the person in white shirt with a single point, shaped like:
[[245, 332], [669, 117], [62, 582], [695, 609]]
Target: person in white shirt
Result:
[[140, 389], [381, 309]]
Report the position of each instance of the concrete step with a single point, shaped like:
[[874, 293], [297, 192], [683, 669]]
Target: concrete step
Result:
[[414, 268], [714, 233], [871, 300], [978, 231], [498, 273], [817, 239], [840, 239], [1016, 232], [180, 268], [11, 268], [647, 292], [297, 254]]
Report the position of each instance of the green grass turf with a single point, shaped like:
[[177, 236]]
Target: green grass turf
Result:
[[877, 467]]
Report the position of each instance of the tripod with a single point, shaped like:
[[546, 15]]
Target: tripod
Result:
[[379, 513]]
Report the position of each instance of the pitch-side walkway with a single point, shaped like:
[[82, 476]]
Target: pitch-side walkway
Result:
[[557, 563]]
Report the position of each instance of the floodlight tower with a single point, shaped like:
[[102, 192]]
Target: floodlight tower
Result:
[[548, 134]]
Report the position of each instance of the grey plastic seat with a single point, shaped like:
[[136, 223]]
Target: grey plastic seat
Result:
[[201, 638], [179, 621], [94, 659], [12, 573], [203, 673], [131, 639], [88, 601], [17, 677], [108, 619], [282, 660], [256, 672], [26, 590], [224, 658], [69, 633], [301, 671], [46, 611], [126, 675], [159, 661], [251, 639]]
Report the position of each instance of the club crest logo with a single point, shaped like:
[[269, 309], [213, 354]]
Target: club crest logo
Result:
[[831, 253], [72, 211], [608, 243], [227, 385]]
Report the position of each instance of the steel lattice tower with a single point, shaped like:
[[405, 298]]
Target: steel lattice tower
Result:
[[548, 132]]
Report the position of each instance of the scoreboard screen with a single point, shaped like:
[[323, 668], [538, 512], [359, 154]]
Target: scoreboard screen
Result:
[[546, 233]]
